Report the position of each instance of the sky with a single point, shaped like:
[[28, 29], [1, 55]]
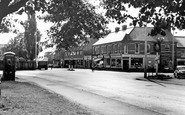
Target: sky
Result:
[[43, 27]]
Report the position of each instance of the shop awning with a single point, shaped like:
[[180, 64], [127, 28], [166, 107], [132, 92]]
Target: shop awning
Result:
[[97, 59]]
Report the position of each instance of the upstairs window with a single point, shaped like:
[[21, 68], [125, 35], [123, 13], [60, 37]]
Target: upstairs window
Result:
[[125, 49], [137, 48], [167, 46], [148, 48]]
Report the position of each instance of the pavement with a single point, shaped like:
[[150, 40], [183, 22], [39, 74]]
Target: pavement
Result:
[[169, 79]]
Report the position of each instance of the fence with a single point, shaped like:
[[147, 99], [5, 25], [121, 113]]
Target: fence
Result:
[[22, 65]]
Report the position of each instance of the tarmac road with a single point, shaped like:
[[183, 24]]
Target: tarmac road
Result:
[[111, 93]]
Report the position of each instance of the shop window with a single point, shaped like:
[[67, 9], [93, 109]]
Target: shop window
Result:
[[113, 62], [118, 63], [108, 61], [137, 63]]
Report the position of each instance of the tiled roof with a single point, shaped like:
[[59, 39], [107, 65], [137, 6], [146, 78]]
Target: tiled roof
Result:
[[114, 37], [138, 34]]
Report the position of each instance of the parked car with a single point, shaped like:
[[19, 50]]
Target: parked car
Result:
[[180, 72]]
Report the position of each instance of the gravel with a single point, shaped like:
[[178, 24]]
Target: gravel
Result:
[[23, 98]]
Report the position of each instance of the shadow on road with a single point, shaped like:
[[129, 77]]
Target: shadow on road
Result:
[[147, 79], [156, 82]]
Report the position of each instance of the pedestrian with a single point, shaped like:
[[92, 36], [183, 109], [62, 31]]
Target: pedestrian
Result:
[[92, 67]]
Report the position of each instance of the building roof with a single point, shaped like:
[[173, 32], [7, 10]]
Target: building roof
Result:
[[135, 34], [113, 37], [138, 34], [180, 41]]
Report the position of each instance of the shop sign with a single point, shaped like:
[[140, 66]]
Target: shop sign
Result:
[[115, 55], [100, 56], [87, 57], [139, 56]]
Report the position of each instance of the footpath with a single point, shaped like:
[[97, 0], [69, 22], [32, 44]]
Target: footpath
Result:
[[169, 79]]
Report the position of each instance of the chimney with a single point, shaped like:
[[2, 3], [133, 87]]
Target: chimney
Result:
[[124, 27], [117, 29]]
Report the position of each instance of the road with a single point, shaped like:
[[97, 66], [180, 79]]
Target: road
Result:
[[111, 93]]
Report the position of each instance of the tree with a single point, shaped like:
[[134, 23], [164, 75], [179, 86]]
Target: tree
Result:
[[75, 20], [17, 46], [163, 14]]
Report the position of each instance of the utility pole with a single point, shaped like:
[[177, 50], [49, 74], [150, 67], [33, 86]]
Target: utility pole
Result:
[[145, 63], [173, 51]]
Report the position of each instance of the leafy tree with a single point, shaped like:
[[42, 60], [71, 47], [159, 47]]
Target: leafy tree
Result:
[[163, 14], [17, 46], [74, 20]]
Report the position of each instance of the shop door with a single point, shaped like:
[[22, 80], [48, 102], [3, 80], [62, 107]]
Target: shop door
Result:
[[125, 64]]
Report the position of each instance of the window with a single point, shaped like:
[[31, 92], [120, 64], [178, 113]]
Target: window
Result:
[[113, 63], [103, 49], [97, 50], [136, 48], [118, 63], [131, 48], [125, 49], [167, 46], [148, 48], [108, 61], [120, 47]]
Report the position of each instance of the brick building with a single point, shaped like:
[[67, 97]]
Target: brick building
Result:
[[124, 49]]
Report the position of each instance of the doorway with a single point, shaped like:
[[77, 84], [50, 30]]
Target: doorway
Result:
[[125, 64]]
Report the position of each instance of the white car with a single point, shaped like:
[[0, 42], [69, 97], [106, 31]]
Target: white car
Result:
[[179, 71]]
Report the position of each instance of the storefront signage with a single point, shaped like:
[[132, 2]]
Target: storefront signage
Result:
[[87, 57], [141, 56], [115, 55]]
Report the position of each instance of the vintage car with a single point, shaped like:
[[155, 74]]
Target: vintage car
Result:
[[179, 71]]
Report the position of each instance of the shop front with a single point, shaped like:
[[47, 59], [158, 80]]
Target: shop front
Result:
[[136, 62], [87, 61], [98, 61], [116, 61]]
